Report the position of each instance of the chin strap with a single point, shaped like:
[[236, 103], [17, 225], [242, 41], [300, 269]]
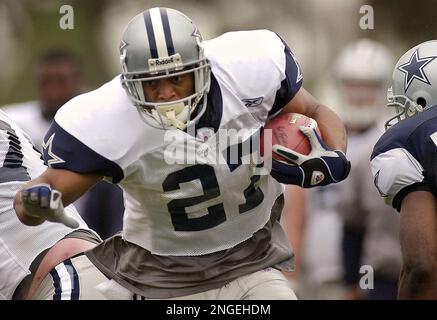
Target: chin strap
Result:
[[413, 108], [171, 116], [167, 114]]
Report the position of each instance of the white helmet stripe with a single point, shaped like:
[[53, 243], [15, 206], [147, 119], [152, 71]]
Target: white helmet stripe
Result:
[[158, 29]]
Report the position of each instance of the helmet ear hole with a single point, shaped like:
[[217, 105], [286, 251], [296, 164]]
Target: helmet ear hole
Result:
[[421, 101]]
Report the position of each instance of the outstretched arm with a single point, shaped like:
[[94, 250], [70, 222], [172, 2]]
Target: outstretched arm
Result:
[[418, 236], [72, 185]]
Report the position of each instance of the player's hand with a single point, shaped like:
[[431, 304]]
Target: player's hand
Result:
[[41, 201], [320, 167]]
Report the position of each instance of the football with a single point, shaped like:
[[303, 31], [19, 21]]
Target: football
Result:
[[285, 131]]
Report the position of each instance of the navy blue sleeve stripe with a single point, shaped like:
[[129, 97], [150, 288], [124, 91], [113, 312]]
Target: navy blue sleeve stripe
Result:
[[290, 85], [418, 186], [63, 151]]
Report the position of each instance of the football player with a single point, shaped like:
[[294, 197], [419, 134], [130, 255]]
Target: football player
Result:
[[404, 166], [27, 254], [355, 229], [58, 78], [370, 232], [202, 229]]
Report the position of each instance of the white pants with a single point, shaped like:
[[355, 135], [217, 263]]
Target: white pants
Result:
[[79, 279]]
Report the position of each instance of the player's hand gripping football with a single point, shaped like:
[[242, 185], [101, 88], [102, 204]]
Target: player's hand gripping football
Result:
[[41, 201], [320, 167]]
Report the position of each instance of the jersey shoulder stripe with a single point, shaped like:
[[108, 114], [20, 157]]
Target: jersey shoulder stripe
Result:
[[61, 150], [257, 67], [99, 129]]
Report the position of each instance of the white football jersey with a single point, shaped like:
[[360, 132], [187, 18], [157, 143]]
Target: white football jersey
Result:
[[184, 195], [29, 118], [20, 244]]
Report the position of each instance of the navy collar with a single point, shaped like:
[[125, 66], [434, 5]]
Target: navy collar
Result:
[[214, 109]]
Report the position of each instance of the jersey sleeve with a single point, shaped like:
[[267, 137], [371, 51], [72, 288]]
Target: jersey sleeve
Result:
[[397, 173], [403, 159], [61, 150], [258, 68], [291, 84], [100, 132]]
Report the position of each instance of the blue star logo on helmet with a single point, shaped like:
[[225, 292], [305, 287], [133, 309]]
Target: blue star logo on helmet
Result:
[[414, 69]]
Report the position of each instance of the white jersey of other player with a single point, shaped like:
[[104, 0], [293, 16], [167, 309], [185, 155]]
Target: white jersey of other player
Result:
[[175, 208], [29, 117], [20, 244]]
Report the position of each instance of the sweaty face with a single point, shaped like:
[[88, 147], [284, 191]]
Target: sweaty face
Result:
[[169, 89]]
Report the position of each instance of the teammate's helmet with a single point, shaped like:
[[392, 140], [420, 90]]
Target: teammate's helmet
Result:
[[159, 43], [362, 73], [414, 86]]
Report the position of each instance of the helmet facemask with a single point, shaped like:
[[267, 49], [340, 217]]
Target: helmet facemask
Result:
[[414, 79], [171, 114], [162, 43], [404, 106]]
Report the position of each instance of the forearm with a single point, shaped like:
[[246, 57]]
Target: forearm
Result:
[[418, 283], [293, 222], [70, 184], [331, 127], [320, 167], [418, 238]]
